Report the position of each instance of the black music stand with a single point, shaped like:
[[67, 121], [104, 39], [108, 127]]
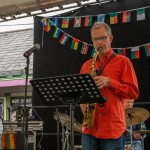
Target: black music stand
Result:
[[68, 89]]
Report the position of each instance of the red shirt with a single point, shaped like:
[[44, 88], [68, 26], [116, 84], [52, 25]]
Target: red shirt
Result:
[[109, 122]]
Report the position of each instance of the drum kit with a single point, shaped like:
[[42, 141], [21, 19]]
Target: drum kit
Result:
[[134, 116]]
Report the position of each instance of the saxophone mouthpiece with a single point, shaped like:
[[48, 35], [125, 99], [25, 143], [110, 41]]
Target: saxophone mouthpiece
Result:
[[99, 49]]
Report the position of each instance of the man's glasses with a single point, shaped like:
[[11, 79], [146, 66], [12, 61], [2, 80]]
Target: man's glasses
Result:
[[103, 38]]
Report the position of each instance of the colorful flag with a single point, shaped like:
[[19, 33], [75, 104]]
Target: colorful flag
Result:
[[113, 18], [65, 22], [126, 16], [147, 49], [135, 54], [88, 21], [64, 39], [93, 51], [122, 51], [46, 24], [74, 44], [55, 21], [84, 48], [101, 18], [43, 22], [77, 22], [56, 33], [8, 140], [140, 14]]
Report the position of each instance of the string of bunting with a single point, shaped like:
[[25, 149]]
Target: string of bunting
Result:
[[63, 39], [86, 21]]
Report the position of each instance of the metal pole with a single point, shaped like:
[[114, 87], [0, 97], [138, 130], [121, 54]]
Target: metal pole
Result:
[[72, 127]]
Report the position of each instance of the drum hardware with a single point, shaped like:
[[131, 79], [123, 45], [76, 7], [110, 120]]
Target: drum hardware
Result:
[[142, 131], [66, 140], [64, 120], [134, 116]]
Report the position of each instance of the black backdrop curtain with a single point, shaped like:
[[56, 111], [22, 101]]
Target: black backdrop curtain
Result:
[[55, 59]]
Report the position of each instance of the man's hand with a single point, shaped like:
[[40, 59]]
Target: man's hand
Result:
[[83, 107], [102, 81], [137, 135]]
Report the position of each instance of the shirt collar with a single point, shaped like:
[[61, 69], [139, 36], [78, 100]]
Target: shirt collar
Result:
[[109, 53]]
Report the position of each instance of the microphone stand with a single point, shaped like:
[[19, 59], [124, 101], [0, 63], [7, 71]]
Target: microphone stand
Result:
[[25, 110]]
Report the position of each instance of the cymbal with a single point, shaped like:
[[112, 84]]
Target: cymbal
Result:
[[65, 120], [136, 115], [78, 127]]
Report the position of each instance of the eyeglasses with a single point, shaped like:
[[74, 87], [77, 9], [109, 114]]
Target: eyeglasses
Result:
[[103, 38]]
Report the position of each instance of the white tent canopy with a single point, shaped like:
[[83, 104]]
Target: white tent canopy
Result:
[[13, 9]]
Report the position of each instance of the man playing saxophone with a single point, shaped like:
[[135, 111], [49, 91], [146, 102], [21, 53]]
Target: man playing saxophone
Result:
[[116, 79]]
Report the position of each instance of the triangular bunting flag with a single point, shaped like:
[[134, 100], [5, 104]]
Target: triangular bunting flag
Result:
[[64, 39], [43, 22], [135, 54], [55, 21], [84, 48], [93, 51], [126, 16], [77, 22], [56, 33], [65, 22], [88, 21], [74, 44], [122, 51], [147, 49], [140, 14], [113, 18], [101, 18], [46, 24]]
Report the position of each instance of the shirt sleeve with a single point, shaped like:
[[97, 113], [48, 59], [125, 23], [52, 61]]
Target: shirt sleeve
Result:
[[85, 68], [127, 87]]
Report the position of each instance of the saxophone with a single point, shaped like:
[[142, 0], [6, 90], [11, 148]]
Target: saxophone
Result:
[[89, 113]]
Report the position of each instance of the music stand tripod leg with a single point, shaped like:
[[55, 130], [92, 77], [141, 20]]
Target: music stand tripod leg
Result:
[[72, 127]]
